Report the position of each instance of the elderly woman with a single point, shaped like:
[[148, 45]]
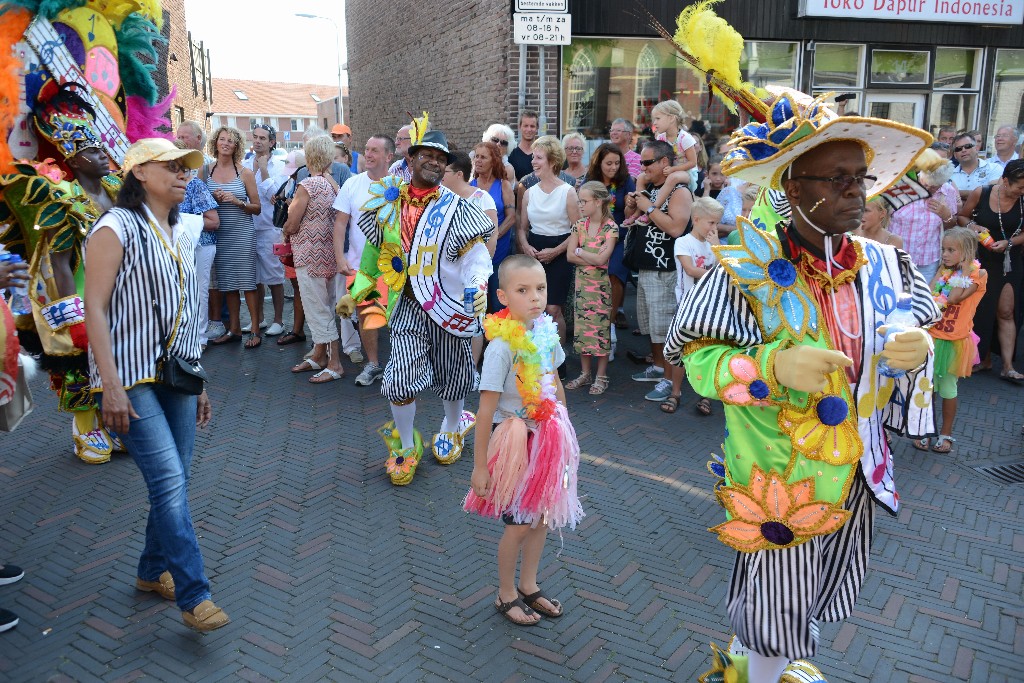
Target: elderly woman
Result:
[[490, 175], [549, 210], [575, 145], [310, 229], [140, 280], [502, 136], [608, 167], [234, 188]]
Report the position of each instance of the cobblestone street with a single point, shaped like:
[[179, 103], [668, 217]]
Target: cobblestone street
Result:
[[331, 573]]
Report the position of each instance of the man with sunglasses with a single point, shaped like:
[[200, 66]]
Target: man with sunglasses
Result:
[[784, 333], [972, 172]]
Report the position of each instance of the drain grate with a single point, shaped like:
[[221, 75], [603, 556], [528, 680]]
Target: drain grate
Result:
[[1012, 473]]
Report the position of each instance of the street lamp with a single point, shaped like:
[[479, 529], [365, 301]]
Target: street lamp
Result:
[[337, 34]]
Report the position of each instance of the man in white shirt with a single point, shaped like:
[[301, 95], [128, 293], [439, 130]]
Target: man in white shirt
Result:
[[1005, 140], [401, 149], [349, 239], [269, 179], [972, 172]]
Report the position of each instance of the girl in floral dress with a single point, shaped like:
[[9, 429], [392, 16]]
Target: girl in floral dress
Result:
[[591, 243]]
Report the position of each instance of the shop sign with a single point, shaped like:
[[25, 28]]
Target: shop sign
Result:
[[560, 6], [529, 28], [945, 11]]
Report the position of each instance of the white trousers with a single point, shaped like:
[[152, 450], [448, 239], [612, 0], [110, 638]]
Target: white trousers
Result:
[[204, 263], [319, 296], [350, 333]]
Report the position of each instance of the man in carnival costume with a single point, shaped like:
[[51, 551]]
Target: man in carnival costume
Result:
[[784, 334], [428, 244], [80, 87]]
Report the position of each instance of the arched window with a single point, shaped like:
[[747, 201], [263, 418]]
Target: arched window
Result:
[[582, 91], [647, 90]]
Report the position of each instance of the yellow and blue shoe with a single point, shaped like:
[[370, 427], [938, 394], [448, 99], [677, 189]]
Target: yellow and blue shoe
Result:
[[447, 446], [732, 667], [402, 462]]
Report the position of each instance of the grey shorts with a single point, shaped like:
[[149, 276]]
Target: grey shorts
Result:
[[656, 303], [269, 269]]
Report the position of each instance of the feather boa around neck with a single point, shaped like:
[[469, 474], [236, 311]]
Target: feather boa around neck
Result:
[[534, 351]]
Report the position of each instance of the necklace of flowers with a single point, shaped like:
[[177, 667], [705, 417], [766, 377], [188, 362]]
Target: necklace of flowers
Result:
[[534, 351], [950, 279]]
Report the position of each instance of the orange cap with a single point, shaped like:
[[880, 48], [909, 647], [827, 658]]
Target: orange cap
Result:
[[341, 129]]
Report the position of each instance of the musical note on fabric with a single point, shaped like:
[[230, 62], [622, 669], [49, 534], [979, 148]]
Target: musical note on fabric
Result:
[[435, 297], [101, 71], [92, 28], [458, 322], [425, 263]]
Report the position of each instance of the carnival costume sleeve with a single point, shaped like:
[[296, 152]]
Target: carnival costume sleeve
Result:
[[472, 229], [364, 285]]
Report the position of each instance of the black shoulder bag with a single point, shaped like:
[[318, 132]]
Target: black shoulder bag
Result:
[[173, 372], [280, 206]]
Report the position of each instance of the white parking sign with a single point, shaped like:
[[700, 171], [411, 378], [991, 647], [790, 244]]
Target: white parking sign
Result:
[[531, 28]]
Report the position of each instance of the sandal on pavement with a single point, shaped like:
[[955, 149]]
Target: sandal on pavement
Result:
[[943, 444], [533, 600], [253, 337], [583, 380], [920, 444], [670, 404], [228, 338], [504, 607], [291, 338], [640, 359], [205, 616], [599, 386], [330, 375], [1012, 376], [704, 407], [307, 365]]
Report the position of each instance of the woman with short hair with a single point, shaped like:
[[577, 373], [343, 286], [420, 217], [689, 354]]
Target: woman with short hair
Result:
[[575, 146], [140, 281]]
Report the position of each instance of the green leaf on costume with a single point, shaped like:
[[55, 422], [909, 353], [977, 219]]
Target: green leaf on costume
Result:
[[37, 190], [51, 216]]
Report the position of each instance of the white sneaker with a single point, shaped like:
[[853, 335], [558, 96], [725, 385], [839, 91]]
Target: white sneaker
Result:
[[356, 356], [248, 327], [274, 330], [215, 329], [370, 374]]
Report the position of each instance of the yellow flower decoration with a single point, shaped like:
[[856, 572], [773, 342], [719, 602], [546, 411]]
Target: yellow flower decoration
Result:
[[391, 263], [771, 514], [826, 430]]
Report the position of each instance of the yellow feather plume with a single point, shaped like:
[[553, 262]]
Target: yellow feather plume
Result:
[[715, 45], [419, 126], [115, 11]]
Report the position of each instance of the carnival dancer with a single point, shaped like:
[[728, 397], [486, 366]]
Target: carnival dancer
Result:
[[525, 470], [429, 245], [784, 334]]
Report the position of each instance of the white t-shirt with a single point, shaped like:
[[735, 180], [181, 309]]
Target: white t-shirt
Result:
[[498, 373], [350, 200], [482, 200], [703, 257]]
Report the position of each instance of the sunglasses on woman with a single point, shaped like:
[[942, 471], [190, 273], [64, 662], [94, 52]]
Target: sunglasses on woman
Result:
[[498, 141]]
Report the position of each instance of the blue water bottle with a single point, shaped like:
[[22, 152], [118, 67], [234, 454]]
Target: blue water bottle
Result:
[[468, 297], [897, 321], [19, 303]]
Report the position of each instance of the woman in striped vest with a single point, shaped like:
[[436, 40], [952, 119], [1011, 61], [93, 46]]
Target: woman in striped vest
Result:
[[140, 281]]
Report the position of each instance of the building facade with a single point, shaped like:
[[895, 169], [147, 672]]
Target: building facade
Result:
[[925, 62], [184, 64], [290, 108]]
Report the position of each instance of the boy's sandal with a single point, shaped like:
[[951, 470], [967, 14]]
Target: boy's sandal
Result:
[[533, 600], [920, 444], [504, 607], [670, 404], [581, 381], [943, 444], [704, 407], [599, 386]]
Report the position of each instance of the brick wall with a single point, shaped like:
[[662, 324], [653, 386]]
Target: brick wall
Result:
[[454, 65], [178, 71], [550, 121]]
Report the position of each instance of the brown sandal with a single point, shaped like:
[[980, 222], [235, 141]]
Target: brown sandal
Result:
[[583, 380], [533, 600], [704, 407], [670, 404], [504, 607]]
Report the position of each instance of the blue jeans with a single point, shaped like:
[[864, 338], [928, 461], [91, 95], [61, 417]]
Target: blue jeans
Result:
[[160, 441]]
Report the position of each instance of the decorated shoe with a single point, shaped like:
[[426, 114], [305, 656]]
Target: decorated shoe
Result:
[[447, 446], [732, 667], [402, 462], [93, 444]]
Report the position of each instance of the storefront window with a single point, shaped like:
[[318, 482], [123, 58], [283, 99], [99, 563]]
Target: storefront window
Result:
[[838, 66], [952, 109], [956, 68], [1007, 91], [605, 79], [902, 67]]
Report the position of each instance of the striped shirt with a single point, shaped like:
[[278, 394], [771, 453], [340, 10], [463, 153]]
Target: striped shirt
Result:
[[135, 331]]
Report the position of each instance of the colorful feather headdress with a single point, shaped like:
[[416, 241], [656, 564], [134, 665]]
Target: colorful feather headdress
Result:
[[66, 121]]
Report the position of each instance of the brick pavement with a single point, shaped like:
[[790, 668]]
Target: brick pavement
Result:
[[330, 573]]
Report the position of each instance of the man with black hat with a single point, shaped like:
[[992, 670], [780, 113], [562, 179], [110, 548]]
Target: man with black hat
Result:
[[428, 244]]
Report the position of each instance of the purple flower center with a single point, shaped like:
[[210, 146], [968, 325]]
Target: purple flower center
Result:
[[832, 410], [782, 272], [396, 264], [391, 194], [759, 389], [777, 533], [399, 460]]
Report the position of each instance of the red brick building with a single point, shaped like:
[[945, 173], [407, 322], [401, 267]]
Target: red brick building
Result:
[[184, 63], [289, 107]]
